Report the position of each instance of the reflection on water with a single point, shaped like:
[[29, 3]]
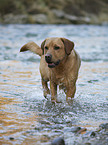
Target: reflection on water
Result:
[[25, 116]]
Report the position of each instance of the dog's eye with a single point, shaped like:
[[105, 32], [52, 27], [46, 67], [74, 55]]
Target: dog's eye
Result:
[[46, 47], [56, 47]]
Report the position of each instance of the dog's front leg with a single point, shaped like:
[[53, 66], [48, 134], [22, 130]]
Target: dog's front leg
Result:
[[45, 88], [53, 88]]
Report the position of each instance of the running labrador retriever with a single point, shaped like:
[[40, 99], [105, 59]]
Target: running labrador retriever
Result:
[[59, 64]]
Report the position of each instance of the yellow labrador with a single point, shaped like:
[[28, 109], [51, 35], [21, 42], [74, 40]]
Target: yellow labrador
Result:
[[59, 64]]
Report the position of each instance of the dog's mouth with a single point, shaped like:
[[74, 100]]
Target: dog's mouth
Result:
[[53, 64]]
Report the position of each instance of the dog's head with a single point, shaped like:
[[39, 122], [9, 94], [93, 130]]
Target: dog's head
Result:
[[56, 49]]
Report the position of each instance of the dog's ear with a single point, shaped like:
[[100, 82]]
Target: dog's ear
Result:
[[32, 46], [42, 45], [69, 45]]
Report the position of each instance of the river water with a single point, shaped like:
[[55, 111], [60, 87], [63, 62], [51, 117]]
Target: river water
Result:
[[25, 116]]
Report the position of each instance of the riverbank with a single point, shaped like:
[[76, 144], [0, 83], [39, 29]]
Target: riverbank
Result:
[[54, 12]]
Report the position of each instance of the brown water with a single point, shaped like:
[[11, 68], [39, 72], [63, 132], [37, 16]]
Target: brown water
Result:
[[25, 116]]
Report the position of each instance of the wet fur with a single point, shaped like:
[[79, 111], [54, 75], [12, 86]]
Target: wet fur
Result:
[[64, 73]]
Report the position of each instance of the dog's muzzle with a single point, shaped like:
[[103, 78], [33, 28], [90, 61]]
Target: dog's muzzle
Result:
[[48, 59]]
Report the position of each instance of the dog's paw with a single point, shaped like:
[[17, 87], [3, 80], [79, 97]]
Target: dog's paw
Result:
[[69, 101], [53, 101], [56, 101]]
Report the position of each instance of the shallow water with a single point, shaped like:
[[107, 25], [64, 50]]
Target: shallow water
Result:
[[25, 116]]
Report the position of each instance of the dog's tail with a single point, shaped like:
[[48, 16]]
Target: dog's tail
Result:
[[33, 47]]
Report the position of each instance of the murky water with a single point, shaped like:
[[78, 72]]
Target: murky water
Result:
[[25, 116]]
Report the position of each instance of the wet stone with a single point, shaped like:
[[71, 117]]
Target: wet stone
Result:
[[58, 141], [82, 130], [75, 129], [104, 126], [11, 138], [90, 134], [93, 134], [44, 122]]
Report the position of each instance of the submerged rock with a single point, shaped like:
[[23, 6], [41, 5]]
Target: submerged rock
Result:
[[58, 141], [11, 138], [99, 137], [90, 134], [82, 130], [104, 126], [75, 129]]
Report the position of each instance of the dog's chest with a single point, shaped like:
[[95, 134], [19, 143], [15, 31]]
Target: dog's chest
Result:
[[63, 79], [60, 80]]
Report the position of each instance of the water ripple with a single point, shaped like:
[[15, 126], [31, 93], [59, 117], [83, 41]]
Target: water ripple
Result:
[[24, 113]]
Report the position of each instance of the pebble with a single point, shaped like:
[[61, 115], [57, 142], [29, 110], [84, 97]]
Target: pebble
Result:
[[75, 129], [90, 134], [93, 134], [82, 130], [11, 138], [104, 126], [44, 122], [58, 141]]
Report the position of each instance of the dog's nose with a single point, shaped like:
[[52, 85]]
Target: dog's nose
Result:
[[48, 58]]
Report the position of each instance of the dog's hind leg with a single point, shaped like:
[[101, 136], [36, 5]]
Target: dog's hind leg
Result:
[[70, 92]]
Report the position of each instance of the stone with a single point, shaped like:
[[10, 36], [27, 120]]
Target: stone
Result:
[[44, 122], [75, 129], [82, 130], [90, 134], [104, 126], [11, 138], [58, 141]]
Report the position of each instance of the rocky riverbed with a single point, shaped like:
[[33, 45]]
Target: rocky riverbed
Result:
[[26, 117], [81, 136]]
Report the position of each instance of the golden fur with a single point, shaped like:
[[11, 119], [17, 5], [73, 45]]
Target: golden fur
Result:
[[59, 64]]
